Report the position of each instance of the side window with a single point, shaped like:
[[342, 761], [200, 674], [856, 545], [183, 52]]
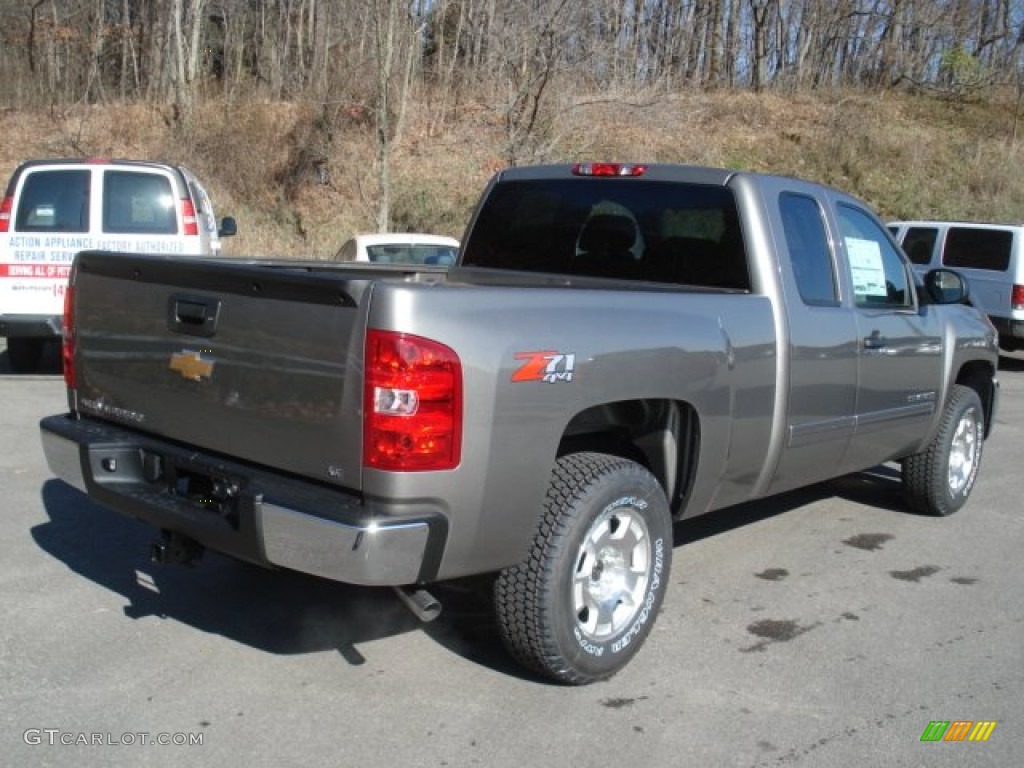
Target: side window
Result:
[[978, 248], [879, 272], [808, 249], [139, 203], [54, 201], [918, 244]]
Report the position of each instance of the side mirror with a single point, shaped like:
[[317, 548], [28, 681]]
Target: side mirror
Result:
[[228, 227], [944, 286]]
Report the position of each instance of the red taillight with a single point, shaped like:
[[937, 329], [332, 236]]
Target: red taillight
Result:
[[67, 350], [608, 169], [412, 418], [188, 216], [1017, 299], [5, 213]]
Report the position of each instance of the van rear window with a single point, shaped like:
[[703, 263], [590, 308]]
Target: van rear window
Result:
[[978, 248], [54, 201], [139, 203]]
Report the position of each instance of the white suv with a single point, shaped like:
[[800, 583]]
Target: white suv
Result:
[[53, 209]]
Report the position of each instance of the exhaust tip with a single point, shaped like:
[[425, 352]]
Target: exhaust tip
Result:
[[423, 605]]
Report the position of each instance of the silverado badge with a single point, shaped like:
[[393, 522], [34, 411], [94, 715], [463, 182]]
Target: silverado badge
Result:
[[191, 365]]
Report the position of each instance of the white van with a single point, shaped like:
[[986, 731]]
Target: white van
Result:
[[53, 209], [989, 255]]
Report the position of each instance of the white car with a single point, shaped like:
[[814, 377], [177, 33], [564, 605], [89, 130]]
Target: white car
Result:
[[400, 248]]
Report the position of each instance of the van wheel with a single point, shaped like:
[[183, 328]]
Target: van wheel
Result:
[[24, 354], [584, 600], [938, 480]]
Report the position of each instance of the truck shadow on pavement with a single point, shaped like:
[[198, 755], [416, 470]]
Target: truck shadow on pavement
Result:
[[879, 487], [285, 612], [280, 612]]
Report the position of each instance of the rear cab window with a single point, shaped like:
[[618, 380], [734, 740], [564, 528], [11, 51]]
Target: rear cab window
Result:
[[810, 255], [654, 231]]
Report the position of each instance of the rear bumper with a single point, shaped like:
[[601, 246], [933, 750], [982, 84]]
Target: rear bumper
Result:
[[31, 326], [243, 511]]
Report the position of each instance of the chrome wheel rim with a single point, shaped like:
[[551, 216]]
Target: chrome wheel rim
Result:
[[613, 568], [963, 453]]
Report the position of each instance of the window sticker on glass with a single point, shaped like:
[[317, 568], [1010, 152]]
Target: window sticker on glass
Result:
[[866, 265]]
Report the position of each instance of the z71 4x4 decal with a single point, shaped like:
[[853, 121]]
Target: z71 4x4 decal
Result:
[[548, 366]]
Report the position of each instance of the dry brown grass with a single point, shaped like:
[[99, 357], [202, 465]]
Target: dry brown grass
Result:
[[909, 156]]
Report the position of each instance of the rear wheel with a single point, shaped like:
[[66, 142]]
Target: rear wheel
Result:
[[581, 605], [24, 354], [938, 480]]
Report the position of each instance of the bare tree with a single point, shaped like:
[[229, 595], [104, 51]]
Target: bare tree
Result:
[[394, 39]]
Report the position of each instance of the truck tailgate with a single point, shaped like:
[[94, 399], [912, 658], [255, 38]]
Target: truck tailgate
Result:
[[258, 361]]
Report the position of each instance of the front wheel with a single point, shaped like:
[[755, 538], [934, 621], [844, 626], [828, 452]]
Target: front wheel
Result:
[[938, 480], [582, 603]]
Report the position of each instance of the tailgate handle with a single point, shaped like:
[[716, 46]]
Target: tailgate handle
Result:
[[193, 315]]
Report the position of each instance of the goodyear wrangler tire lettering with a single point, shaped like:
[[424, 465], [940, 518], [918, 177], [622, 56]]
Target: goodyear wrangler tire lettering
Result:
[[645, 612], [583, 602]]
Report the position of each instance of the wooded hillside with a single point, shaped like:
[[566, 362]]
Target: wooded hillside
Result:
[[311, 119]]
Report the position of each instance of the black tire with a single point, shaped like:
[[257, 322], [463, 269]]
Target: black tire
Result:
[[24, 354], [581, 605], [938, 480]]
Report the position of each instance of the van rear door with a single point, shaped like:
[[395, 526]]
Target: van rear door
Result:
[[50, 213], [146, 209]]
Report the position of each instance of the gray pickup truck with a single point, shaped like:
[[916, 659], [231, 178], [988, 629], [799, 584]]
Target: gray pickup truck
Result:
[[618, 347]]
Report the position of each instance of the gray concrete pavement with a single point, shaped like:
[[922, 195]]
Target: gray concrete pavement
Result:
[[826, 627]]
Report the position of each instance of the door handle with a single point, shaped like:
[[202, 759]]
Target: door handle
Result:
[[874, 341], [193, 315]]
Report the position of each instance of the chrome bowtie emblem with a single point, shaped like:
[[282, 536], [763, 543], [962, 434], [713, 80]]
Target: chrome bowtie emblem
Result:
[[191, 365]]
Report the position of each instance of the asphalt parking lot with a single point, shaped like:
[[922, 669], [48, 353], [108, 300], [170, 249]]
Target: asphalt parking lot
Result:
[[826, 627]]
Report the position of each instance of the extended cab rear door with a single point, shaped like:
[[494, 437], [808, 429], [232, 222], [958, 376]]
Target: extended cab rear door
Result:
[[821, 356]]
